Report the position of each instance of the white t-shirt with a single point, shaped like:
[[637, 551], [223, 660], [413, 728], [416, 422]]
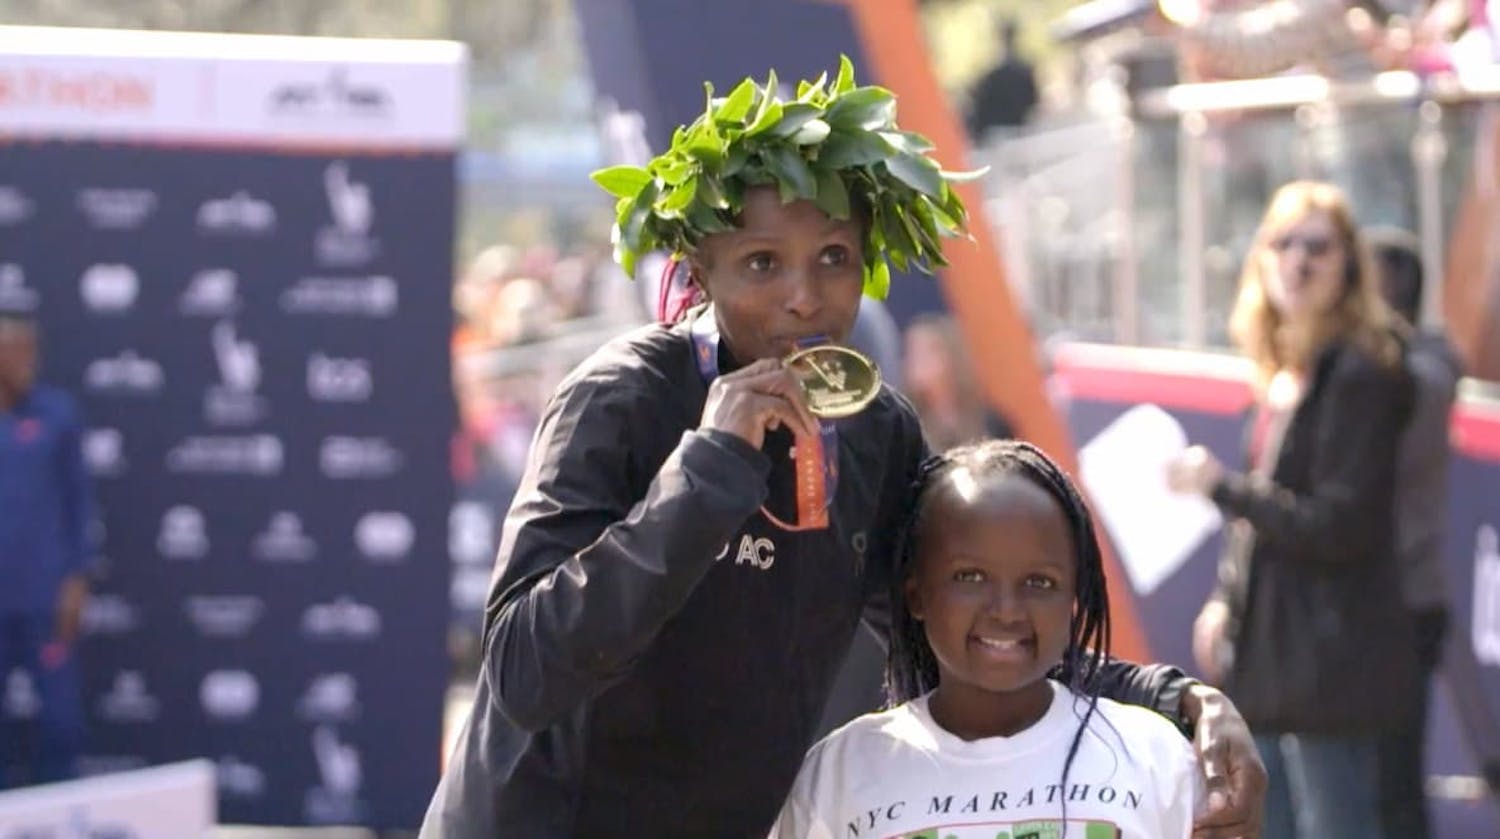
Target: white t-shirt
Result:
[[899, 774]]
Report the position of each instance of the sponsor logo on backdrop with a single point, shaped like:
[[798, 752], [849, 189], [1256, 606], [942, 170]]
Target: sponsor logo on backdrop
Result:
[[224, 616], [238, 779], [109, 288], [347, 243], [109, 614], [116, 209], [213, 292], [21, 701], [384, 536], [471, 529], [15, 295], [128, 373], [129, 700], [183, 534], [255, 454], [234, 401], [373, 297], [229, 694], [336, 95], [331, 697], [104, 452], [336, 798], [240, 214], [339, 379], [344, 458], [1485, 631], [343, 619], [283, 540], [15, 206]]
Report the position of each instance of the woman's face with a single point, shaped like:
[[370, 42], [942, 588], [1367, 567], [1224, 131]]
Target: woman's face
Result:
[[1304, 267], [928, 367]]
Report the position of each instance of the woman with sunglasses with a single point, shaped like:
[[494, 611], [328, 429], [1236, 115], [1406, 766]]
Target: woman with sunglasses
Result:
[[1305, 629]]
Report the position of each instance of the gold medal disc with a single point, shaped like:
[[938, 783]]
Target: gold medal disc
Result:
[[836, 381]]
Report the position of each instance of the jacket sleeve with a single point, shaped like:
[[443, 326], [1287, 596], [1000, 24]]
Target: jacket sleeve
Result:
[[590, 567], [1359, 426], [1155, 686]]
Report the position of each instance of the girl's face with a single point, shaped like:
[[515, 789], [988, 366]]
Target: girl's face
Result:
[[994, 586], [1305, 266]]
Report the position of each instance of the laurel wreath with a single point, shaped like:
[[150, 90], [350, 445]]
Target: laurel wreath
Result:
[[838, 146]]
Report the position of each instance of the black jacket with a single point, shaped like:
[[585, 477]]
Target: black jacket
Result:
[[657, 654], [1320, 640]]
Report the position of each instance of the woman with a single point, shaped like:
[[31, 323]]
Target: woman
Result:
[[1308, 602], [690, 550]]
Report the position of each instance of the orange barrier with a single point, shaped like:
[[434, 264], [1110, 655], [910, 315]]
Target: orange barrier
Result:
[[998, 337]]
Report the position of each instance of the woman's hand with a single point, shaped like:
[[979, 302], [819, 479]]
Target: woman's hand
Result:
[[1195, 471], [1235, 777], [757, 398]]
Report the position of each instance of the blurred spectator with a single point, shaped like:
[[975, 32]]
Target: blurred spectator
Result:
[[1007, 94], [1308, 600], [942, 385], [1445, 36], [45, 514], [876, 334], [1421, 521]]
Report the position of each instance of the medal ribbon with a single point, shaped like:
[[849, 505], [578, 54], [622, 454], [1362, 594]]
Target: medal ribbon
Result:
[[816, 458]]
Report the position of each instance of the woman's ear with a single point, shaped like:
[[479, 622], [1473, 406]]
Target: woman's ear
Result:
[[695, 272], [913, 594]]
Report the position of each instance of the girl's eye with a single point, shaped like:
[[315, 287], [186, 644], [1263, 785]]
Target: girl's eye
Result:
[[834, 255], [759, 262], [968, 576], [1038, 581]]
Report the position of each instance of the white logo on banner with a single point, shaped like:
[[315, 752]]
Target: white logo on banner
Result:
[[238, 779], [358, 457], [15, 206], [374, 297], [1486, 628], [109, 614], [213, 292], [283, 540], [339, 379], [347, 242], [341, 620], [104, 451], [239, 213], [129, 700], [471, 528], [257, 454], [229, 694], [183, 534], [384, 536], [116, 209], [126, 373], [336, 799], [234, 402], [14, 294], [20, 701], [109, 288], [335, 96], [228, 616], [331, 697]]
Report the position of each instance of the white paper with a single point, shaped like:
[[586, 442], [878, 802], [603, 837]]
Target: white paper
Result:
[[1124, 469]]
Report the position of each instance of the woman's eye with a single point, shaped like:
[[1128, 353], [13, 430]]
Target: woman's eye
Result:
[[1046, 583], [968, 576], [834, 255], [759, 262]]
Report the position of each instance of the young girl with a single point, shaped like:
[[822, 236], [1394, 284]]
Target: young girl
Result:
[[1000, 629]]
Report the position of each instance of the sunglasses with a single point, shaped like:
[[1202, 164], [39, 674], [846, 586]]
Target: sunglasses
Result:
[[1313, 246]]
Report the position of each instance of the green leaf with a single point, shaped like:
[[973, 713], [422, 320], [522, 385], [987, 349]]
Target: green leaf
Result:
[[710, 193], [791, 172], [737, 106], [878, 279], [706, 147], [636, 216], [965, 177], [845, 150], [622, 181], [680, 196], [808, 91], [833, 196], [867, 108], [845, 81], [793, 117], [768, 116], [734, 161], [811, 133], [919, 173], [673, 170]]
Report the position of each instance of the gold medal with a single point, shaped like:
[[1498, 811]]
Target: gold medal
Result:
[[836, 381]]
